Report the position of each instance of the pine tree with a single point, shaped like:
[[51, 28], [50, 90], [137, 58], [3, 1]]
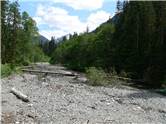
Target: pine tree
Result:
[[119, 6], [14, 22], [4, 30], [87, 29]]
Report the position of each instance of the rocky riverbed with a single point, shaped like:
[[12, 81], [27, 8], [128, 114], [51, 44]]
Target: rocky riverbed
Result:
[[59, 99]]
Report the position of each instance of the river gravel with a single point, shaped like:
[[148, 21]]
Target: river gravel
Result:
[[65, 100]]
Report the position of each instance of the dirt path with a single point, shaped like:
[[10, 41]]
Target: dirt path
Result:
[[63, 100]]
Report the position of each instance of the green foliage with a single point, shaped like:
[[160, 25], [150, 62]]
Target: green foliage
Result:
[[96, 77], [39, 56], [123, 74], [113, 72], [5, 70], [132, 42], [19, 39], [84, 50], [140, 51], [8, 69]]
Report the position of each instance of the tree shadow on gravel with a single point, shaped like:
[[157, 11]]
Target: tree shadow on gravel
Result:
[[138, 85], [146, 94]]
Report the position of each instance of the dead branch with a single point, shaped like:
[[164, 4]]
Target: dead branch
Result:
[[19, 95], [65, 73]]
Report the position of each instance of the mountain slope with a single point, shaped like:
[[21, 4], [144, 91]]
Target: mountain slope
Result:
[[42, 39]]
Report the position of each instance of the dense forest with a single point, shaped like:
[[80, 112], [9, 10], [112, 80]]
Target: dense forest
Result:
[[20, 37], [133, 41]]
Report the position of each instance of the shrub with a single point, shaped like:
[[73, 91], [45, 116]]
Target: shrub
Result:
[[113, 72], [39, 56], [5, 70], [123, 74], [25, 62], [8, 69], [96, 77]]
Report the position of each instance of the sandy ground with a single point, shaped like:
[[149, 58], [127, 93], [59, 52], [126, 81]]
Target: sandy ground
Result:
[[64, 100]]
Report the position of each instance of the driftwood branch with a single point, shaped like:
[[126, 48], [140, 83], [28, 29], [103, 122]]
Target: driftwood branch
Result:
[[127, 79], [19, 95], [65, 73]]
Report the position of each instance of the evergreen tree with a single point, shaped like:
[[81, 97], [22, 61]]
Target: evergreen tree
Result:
[[119, 6], [19, 32], [4, 30], [51, 45], [15, 21]]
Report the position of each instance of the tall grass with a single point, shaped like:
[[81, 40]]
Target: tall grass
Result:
[[5, 70], [8, 69]]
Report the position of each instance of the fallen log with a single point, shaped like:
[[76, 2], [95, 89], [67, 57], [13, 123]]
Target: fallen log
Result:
[[65, 73], [19, 95], [27, 66], [128, 79], [82, 79]]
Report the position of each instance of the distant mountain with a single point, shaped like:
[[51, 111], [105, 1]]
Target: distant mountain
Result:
[[43, 39], [115, 18], [112, 20]]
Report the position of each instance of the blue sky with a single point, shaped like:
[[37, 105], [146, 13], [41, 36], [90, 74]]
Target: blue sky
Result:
[[61, 17]]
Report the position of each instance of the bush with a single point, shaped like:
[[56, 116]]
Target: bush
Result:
[[113, 72], [25, 62], [39, 56], [123, 74], [8, 69], [5, 70], [96, 77]]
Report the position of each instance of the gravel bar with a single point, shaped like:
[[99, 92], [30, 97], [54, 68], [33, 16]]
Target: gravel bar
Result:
[[64, 100]]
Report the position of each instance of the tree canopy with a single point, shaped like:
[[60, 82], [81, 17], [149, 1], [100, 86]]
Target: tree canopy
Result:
[[134, 41], [19, 42]]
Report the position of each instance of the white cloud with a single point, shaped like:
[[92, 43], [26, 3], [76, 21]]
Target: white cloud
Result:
[[40, 10], [63, 23], [95, 19], [43, 10], [82, 4], [49, 33], [38, 20]]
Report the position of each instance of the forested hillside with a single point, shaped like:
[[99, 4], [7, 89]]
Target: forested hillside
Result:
[[134, 42], [20, 37]]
